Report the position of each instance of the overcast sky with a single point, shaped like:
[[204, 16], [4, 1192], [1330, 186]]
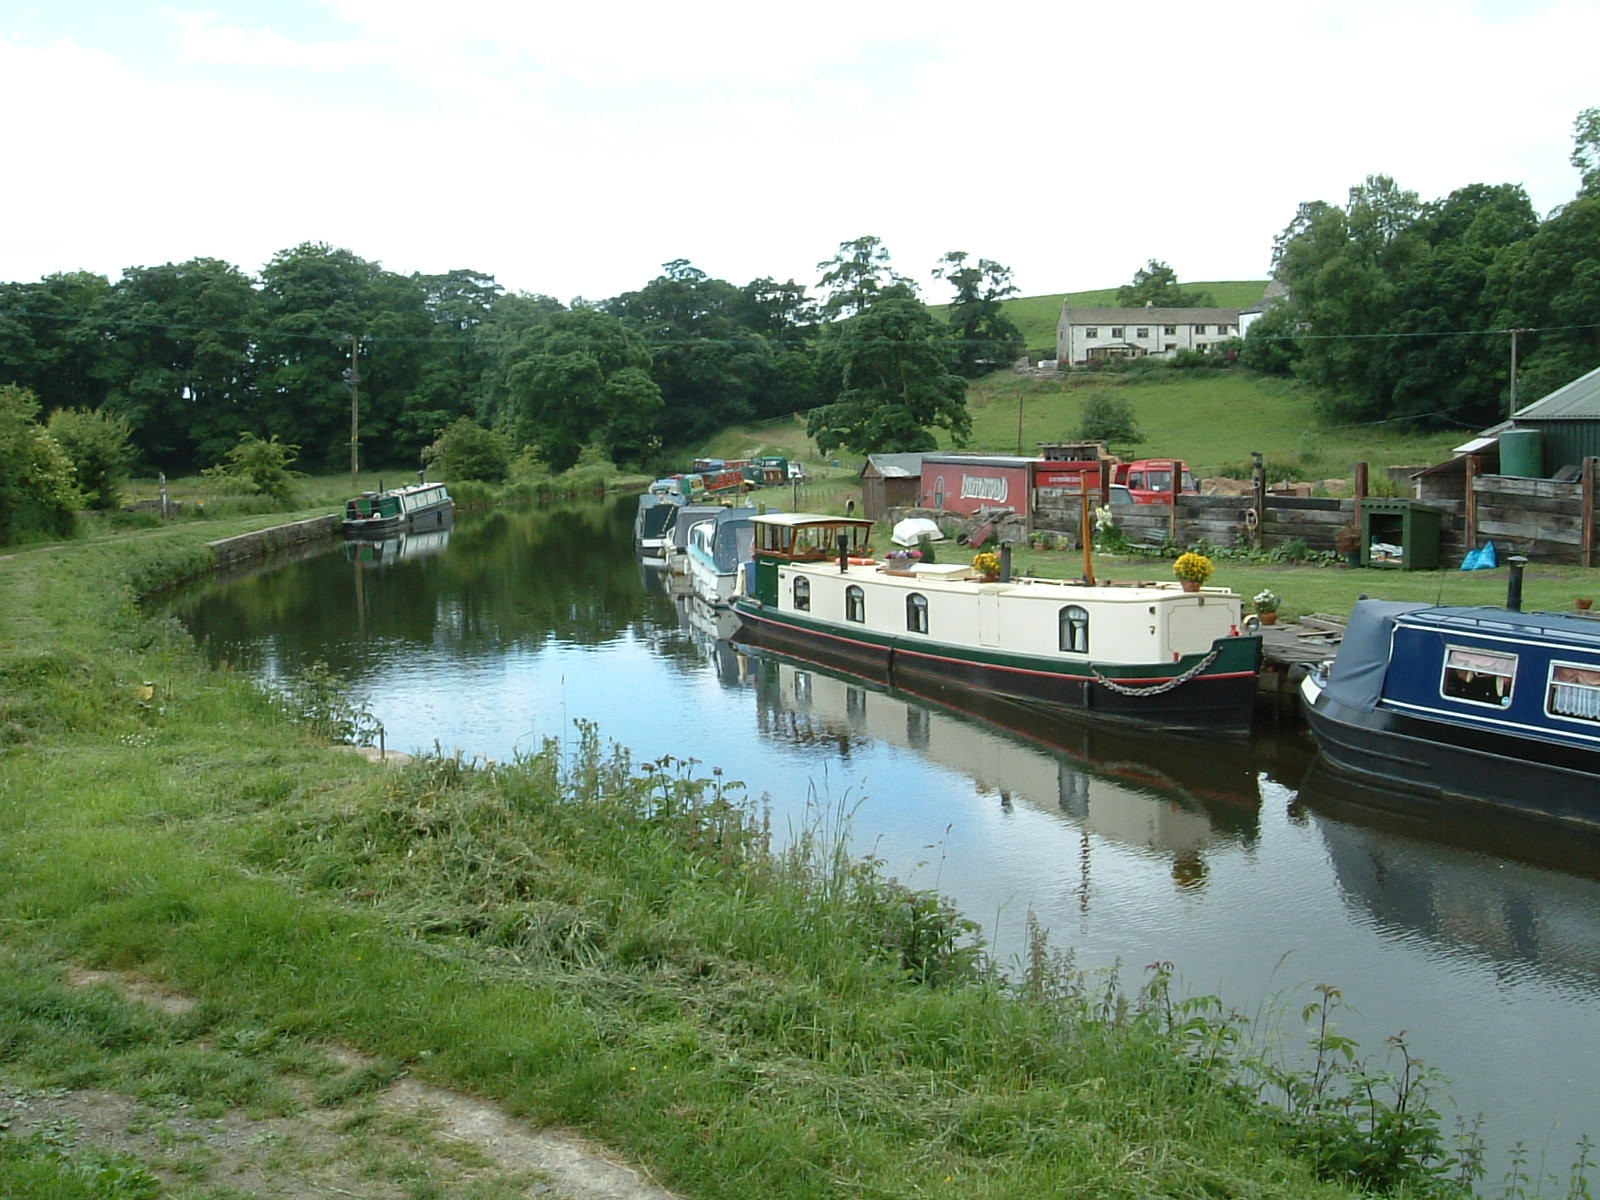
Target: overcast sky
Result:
[[573, 148]]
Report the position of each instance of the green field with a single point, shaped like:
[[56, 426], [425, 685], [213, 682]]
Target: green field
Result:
[[1214, 421]]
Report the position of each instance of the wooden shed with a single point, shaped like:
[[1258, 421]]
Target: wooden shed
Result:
[[889, 481]]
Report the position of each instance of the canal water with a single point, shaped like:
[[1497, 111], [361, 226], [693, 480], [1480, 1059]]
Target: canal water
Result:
[[1242, 864]]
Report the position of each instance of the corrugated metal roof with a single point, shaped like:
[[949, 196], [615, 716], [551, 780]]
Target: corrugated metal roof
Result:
[[1578, 400], [897, 466]]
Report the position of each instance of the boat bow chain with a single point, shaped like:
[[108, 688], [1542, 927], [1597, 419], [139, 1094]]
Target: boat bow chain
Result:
[[1155, 689]]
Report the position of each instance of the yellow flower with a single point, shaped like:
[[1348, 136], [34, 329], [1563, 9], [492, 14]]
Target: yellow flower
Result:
[[986, 562], [1192, 566]]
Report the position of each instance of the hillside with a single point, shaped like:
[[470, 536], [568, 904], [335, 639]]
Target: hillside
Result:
[[1214, 420]]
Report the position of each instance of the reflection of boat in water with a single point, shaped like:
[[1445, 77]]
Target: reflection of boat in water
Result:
[[1512, 891], [1161, 654], [1490, 705], [382, 552], [1166, 794]]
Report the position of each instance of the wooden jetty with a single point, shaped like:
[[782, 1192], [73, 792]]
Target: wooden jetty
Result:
[[1288, 651]]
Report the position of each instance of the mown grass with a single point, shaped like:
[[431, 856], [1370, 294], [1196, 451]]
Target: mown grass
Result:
[[591, 941]]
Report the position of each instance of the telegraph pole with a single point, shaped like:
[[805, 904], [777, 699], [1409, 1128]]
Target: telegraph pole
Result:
[[353, 379], [1514, 334]]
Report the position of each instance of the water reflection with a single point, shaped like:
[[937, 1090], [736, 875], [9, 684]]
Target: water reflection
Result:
[[1129, 846], [1524, 897]]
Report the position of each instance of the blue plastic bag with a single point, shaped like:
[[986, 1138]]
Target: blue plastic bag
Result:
[[1480, 560]]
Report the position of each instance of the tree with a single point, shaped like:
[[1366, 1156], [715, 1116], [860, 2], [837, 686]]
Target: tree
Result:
[[177, 363], [1157, 285], [37, 492], [985, 337], [1586, 151], [1109, 419], [893, 363], [258, 467], [581, 377], [466, 450], [709, 368], [856, 276], [98, 447]]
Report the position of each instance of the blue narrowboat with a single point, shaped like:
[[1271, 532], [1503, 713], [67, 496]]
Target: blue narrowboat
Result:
[[1483, 704]]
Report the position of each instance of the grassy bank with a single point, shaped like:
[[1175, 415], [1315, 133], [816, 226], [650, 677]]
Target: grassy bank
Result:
[[589, 941]]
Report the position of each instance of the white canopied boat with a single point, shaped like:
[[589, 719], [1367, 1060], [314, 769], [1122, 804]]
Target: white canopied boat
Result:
[[1157, 652]]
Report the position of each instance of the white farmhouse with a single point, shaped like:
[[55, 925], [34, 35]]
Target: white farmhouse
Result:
[[1087, 335]]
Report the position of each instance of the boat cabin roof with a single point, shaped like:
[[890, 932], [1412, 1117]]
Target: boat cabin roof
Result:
[[797, 519], [804, 536]]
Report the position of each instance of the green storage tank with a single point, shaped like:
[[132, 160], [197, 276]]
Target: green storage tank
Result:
[[1522, 453]]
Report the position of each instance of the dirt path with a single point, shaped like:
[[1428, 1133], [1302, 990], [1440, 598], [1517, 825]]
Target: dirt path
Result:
[[377, 1145]]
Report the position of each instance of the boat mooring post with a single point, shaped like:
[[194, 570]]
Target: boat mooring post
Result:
[[1514, 583], [1005, 562], [843, 543]]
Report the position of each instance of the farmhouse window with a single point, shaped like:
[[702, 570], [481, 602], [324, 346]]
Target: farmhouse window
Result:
[[1091, 332], [1199, 329], [802, 594], [1169, 329], [1116, 331], [917, 613], [1144, 333], [855, 604], [1075, 629]]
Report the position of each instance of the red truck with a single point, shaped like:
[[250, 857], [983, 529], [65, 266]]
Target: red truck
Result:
[[1149, 480]]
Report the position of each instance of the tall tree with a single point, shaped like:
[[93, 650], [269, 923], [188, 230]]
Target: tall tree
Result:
[[1157, 284], [178, 362], [893, 362], [709, 368], [855, 277], [581, 377], [986, 338], [51, 340]]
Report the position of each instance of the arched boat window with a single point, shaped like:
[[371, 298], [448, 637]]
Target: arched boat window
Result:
[[802, 594], [855, 604], [1075, 629], [917, 613]]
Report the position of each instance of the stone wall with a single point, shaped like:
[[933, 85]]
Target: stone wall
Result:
[[231, 552]]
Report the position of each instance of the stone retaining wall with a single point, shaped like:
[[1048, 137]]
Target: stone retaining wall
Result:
[[233, 551]]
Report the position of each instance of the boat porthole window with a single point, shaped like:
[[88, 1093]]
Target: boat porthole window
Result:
[[1075, 629], [802, 594], [855, 604], [917, 613]]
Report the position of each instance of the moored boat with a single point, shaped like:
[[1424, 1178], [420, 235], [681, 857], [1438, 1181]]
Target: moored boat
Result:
[[716, 550], [1154, 652], [416, 506], [1487, 705]]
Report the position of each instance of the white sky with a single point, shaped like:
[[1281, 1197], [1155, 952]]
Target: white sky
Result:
[[573, 148]]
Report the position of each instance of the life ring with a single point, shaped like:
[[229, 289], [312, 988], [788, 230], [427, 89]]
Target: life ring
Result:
[[1251, 519], [863, 562]]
